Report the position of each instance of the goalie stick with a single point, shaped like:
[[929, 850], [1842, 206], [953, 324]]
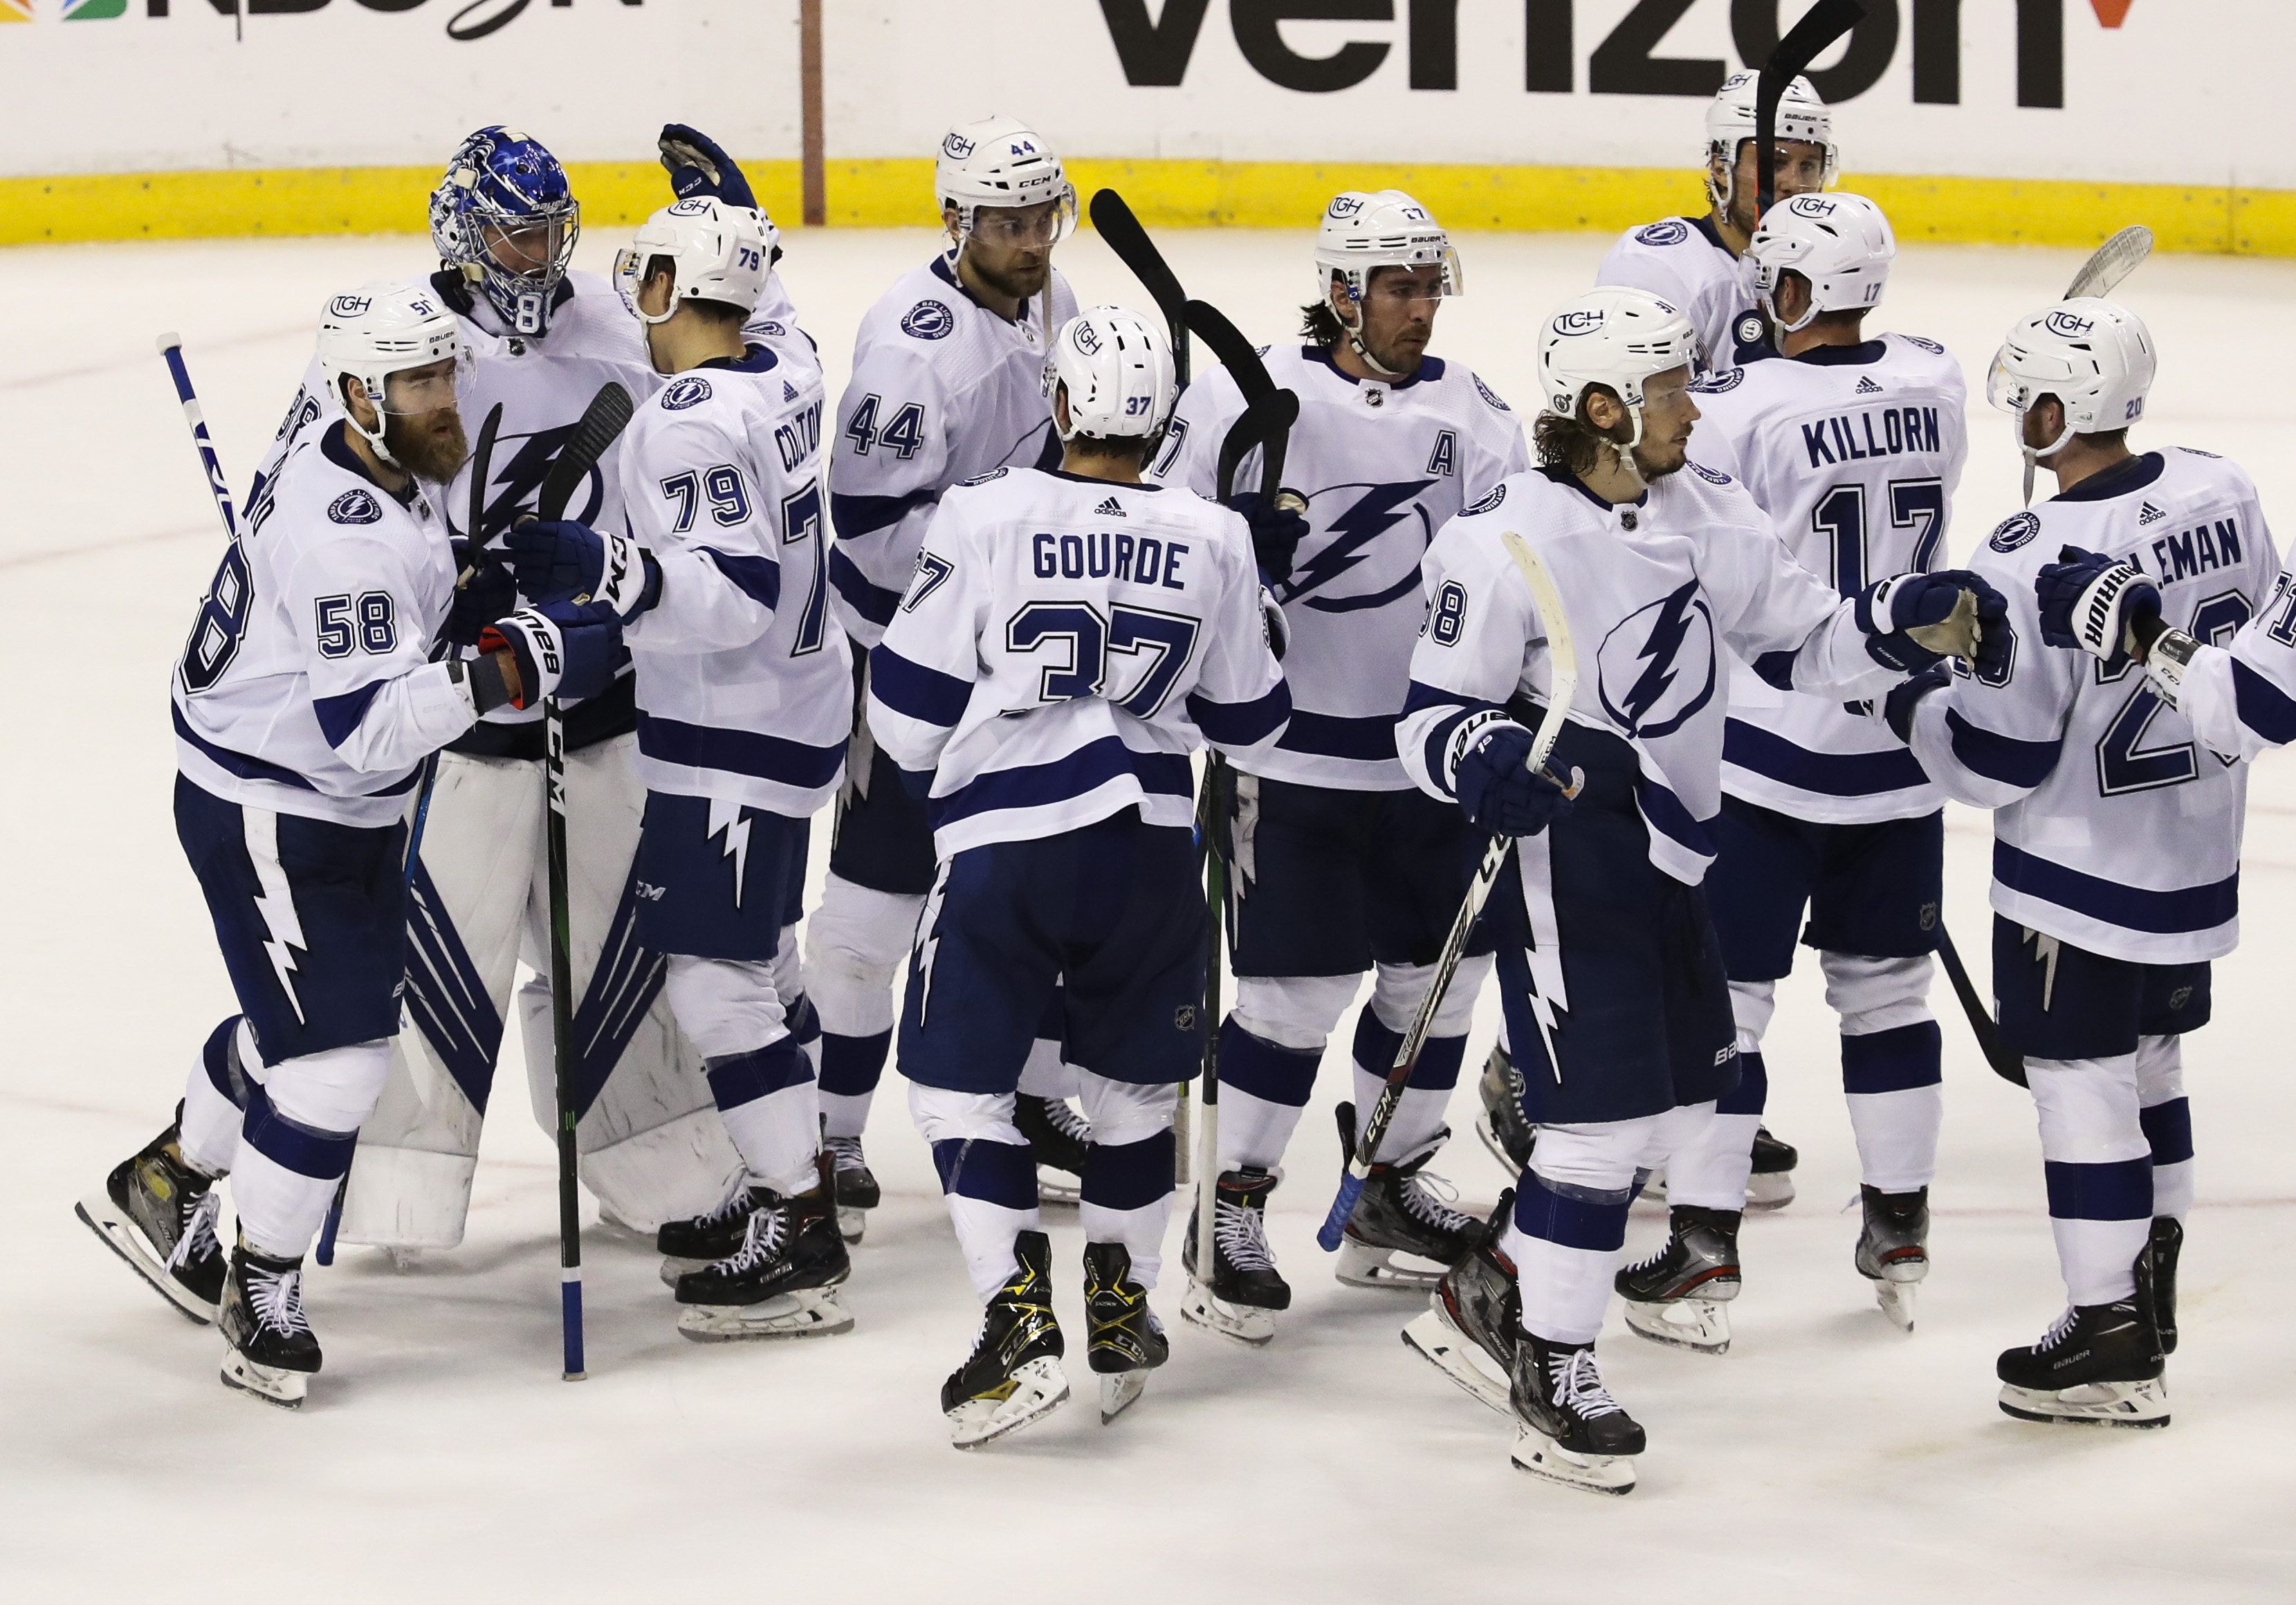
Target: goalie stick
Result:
[[1562, 684]]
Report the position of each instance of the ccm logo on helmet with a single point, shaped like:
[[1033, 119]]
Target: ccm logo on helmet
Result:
[[1586, 320], [348, 306], [2071, 324]]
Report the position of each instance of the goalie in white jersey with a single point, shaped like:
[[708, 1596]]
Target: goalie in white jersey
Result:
[[309, 693], [1693, 262], [1611, 974], [1854, 446], [743, 687], [1070, 636], [2116, 856], [946, 385], [1340, 864]]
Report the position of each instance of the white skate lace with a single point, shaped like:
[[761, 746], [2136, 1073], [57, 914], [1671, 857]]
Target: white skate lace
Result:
[[1241, 1233], [737, 1204], [759, 1243], [1066, 1120], [199, 1238], [847, 1153], [1579, 1385], [2056, 1333], [276, 1298], [1426, 1197]]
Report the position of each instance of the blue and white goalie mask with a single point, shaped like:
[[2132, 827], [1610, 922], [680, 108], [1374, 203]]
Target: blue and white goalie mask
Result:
[[506, 218]]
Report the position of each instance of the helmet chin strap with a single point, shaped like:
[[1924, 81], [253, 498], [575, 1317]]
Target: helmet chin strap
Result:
[[2033, 455], [1356, 340], [1626, 454]]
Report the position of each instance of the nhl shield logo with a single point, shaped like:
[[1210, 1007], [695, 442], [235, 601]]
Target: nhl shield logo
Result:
[[1929, 916], [1184, 1017]]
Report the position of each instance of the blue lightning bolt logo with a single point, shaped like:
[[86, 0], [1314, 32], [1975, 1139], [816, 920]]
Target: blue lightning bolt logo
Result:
[[1676, 615], [1379, 508], [727, 816]]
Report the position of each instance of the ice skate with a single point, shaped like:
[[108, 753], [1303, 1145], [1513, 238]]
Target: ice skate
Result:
[[1502, 1126], [1771, 1185], [1245, 1288], [1678, 1295], [158, 1215], [1572, 1431], [781, 1282], [857, 1193], [1061, 1138], [269, 1349], [1474, 1322], [1399, 1213], [1893, 1249], [1013, 1377], [1128, 1341], [686, 1246], [2168, 1244], [2099, 1363]]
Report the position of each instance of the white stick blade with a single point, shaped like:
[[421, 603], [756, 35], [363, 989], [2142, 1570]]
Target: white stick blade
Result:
[[2112, 262]]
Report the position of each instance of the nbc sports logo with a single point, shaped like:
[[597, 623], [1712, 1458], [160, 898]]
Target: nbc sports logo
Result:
[[69, 11]]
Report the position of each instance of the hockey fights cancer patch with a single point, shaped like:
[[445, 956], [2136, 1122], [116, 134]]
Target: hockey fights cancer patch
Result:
[[355, 507], [929, 320], [691, 390], [2015, 531], [1671, 231]]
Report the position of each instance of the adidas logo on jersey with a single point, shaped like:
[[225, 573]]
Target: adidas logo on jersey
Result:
[[1110, 509], [2150, 514], [1866, 387], [789, 391]]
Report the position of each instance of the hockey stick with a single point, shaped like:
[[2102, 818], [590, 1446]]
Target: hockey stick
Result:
[[603, 419], [1804, 43], [171, 350], [2009, 1066], [1114, 222], [1562, 661], [2112, 262]]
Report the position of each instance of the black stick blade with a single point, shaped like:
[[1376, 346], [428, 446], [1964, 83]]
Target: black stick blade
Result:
[[602, 422], [1237, 354], [482, 463], [1130, 240], [1265, 423], [1804, 43]]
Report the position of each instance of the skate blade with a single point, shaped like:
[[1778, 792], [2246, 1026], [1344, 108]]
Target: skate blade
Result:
[[1119, 1391], [1240, 1322], [1768, 1190], [1493, 1146], [101, 1216], [1702, 1325], [403, 1260], [284, 1390], [2144, 1403], [672, 1268], [1541, 1456], [1039, 1388], [1897, 1301], [1363, 1264], [1058, 1187], [1436, 1340], [806, 1313], [851, 1223]]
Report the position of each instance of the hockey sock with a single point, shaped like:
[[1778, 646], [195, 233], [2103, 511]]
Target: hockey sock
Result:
[[1263, 1088], [772, 1113], [302, 1124], [1419, 1112], [2099, 1168], [851, 1068], [1127, 1198], [2167, 1119], [1894, 1082], [1566, 1242], [1711, 1170], [987, 1175], [208, 1136]]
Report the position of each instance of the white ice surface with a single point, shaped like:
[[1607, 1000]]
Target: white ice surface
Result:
[[1825, 1458]]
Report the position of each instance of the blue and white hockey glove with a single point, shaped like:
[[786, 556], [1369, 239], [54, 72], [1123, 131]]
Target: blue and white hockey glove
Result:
[[1276, 532], [1906, 696], [699, 167], [485, 595], [2101, 604], [1499, 792], [563, 650], [1913, 620], [561, 560]]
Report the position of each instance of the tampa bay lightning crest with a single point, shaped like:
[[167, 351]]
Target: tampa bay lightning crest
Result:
[[690, 391], [1488, 503], [2015, 531], [1671, 231], [355, 507], [1655, 669], [929, 320], [1715, 384], [1350, 542]]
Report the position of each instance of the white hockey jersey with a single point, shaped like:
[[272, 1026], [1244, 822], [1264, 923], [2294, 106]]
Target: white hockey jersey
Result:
[[1383, 466], [744, 679], [1658, 592], [1855, 452], [2113, 829], [1682, 260], [1065, 643], [306, 686], [943, 390], [2240, 698]]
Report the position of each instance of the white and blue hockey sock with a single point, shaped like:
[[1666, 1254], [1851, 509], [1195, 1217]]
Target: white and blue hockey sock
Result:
[[855, 943], [214, 1098], [987, 1175], [761, 1079], [1127, 1178], [1570, 1225], [1270, 1046], [1397, 991], [850, 1069], [2099, 1168], [296, 1138], [1711, 1169], [2167, 1119], [1892, 1057]]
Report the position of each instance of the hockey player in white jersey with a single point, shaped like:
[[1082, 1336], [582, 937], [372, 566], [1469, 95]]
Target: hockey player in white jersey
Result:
[[1340, 864], [2116, 857], [307, 696], [743, 687], [1693, 262], [1070, 637], [504, 220], [1610, 971], [945, 385], [1854, 446]]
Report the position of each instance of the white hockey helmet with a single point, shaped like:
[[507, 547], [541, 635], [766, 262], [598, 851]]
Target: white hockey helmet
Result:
[[999, 163], [1380, 228], [1612, 335], [718, 252], [2096, 356], [1802, 117], [1118, 368], [386, 327], [1841, 245]]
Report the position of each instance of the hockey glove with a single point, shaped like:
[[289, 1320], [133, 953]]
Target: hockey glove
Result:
[[698, 167], [2101, 604], [1906, 696], [562, 651], [1912, 621], [484, 594], [561, 560], [1276, 532], [1499, 792]]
